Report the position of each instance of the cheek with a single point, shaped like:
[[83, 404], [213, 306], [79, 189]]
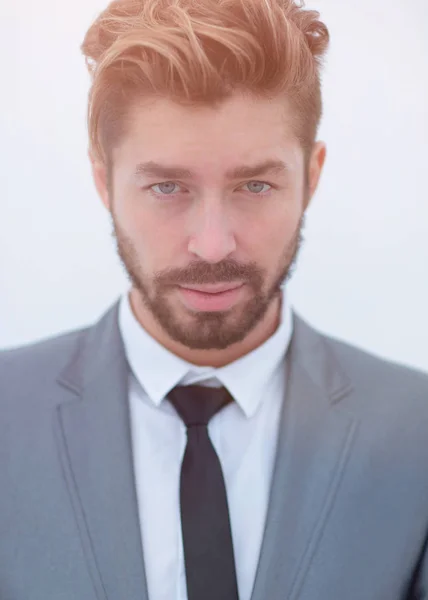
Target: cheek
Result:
[[269, 234], [160, 243]]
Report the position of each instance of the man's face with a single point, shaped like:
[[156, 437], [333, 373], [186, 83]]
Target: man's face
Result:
[[210, 225]]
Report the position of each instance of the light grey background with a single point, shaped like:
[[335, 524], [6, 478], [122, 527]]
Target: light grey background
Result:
[[363, 271]]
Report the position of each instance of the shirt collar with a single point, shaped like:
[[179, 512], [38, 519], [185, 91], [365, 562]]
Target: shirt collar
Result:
[[158, 370]]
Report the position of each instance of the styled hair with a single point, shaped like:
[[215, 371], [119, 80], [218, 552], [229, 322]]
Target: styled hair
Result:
[[199, 52]]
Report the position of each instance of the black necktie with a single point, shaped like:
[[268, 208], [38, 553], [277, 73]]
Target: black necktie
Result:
[[207, 537]]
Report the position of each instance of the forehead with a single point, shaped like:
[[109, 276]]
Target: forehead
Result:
[[241, 130]]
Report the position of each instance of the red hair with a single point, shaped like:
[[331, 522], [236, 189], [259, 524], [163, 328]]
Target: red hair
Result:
[[200, 52]]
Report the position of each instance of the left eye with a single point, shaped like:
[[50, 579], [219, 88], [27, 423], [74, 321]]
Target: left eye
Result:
[[256, 185]]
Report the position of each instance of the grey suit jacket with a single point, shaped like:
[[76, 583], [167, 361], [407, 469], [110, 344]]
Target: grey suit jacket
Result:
[[348, 512]]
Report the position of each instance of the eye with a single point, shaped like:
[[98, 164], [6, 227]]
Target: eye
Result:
[[166, 188], [256, 185]]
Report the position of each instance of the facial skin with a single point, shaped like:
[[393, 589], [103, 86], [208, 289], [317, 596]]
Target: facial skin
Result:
[[207, 227]]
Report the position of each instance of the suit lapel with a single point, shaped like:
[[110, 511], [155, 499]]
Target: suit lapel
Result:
[[315, 441], [95, 447]]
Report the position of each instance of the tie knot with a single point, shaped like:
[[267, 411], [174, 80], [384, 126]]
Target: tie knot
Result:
[[197, 404]]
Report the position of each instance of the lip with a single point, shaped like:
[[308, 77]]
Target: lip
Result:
[[211, 301], [215, 288]]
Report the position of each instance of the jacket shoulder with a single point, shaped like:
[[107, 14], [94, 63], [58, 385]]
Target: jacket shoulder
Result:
[[328, 355], [38, 361], [381, 388], [374, 369]]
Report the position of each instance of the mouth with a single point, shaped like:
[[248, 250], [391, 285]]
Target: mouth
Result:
[[214, 288], [211, 297]]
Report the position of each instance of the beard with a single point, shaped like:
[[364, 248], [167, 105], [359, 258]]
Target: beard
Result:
[[206, 330]]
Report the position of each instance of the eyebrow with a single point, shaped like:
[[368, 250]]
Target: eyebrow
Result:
[[153, 169]]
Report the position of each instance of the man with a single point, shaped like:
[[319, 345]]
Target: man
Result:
[[202, 441]]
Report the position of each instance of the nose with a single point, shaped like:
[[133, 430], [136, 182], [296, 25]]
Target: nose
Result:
[[212, 239]]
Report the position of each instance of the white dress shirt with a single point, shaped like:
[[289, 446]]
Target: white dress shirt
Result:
[[244, 435]]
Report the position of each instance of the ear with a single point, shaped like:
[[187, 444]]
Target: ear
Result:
[[100, 176], [316, 165]]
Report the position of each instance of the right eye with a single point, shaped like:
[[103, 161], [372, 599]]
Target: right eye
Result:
[[166, 188]]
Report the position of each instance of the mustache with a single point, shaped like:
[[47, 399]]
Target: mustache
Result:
[[201, 273]]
